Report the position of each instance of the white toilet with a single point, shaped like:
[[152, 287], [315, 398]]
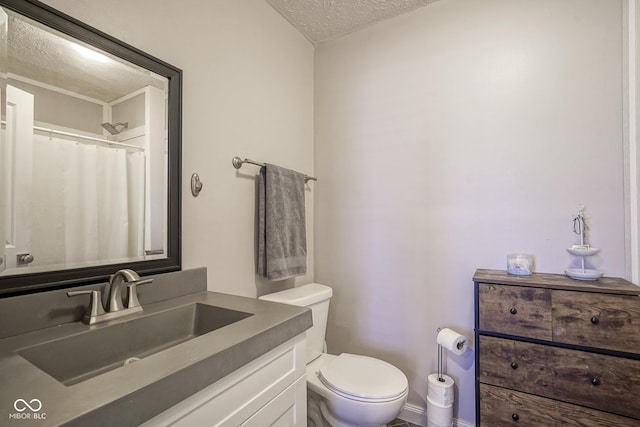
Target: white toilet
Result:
[[347, 390]]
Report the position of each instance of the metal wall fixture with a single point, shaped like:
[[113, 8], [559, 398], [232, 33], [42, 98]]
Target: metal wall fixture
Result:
[[237, 163], [24, 259], [196, 185], [81, 138]]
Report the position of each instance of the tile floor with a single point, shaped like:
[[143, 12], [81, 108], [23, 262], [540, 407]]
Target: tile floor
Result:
[[401, 423]]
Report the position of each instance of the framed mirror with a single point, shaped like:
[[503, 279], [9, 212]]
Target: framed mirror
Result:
[[90, 148]]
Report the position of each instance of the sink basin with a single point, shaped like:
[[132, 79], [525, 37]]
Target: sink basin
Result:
[[79, 357]]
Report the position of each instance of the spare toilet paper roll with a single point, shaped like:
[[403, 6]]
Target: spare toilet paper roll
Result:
[[452, 341], [441, 392], [439, 415]]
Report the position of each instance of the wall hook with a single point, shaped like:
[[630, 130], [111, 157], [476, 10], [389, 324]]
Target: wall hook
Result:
[[196, 185]]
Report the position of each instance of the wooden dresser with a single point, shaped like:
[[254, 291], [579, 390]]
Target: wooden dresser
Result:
[[553, 351]]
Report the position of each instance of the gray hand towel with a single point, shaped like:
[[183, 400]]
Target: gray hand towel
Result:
[[282, 238]]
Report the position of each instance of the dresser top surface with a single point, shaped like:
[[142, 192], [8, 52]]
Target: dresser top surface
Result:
[[608, 285]]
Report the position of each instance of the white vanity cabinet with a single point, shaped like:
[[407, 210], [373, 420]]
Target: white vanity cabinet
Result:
[[269, 391]]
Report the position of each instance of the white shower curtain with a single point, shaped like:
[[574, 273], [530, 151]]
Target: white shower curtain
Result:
[[88, 202]]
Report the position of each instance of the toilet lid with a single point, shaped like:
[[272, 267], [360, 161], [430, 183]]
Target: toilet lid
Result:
[[363, 377]]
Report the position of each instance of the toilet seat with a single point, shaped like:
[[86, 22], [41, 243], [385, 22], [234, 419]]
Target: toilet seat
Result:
[[363, 378]]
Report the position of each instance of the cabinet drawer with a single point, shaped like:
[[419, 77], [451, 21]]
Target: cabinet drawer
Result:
[[502, 407], [515, 310], [516, 365], [597, 320], [598, 381]]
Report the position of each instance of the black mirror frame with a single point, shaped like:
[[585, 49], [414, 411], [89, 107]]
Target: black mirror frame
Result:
[[35, 282]]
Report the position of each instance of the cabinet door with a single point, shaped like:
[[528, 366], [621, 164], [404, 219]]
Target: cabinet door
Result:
[[288, 409]]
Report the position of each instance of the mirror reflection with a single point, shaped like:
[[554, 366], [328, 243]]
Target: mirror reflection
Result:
[[83, 153]]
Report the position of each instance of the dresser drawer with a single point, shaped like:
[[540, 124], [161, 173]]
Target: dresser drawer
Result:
[[502, 407], [597, 381], [515, 310], [516, 365], [597, 320]]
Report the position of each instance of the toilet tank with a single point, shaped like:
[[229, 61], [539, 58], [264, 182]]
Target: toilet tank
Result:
[[316, 297]]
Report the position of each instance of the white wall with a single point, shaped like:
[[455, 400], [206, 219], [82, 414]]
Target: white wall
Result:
[[248, 92], [632, 138], [444, 140], [634, 144]]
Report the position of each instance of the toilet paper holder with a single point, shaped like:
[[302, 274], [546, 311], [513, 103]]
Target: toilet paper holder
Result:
[[440, 359], [458, 346]]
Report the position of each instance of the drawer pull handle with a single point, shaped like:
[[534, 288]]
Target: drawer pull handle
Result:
[[595, 381], [514, 365], [595, 320], [513, 310], [515, 417]]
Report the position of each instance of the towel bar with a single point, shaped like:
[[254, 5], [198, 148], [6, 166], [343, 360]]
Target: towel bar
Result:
[[237, 163]]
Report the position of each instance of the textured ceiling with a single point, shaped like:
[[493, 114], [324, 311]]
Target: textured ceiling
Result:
[[43, 55], [322, 20]]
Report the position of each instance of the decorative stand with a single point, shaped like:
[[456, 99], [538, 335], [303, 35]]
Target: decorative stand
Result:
[[582, 250]]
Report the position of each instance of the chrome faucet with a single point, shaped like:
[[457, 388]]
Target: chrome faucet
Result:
[[116, 281], [95, 312]]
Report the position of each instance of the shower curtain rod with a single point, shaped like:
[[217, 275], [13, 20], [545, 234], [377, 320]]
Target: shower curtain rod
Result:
[[78, 136], [238, 162], [90, 138]]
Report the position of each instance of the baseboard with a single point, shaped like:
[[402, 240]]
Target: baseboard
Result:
[[418, 415], [414, 414]]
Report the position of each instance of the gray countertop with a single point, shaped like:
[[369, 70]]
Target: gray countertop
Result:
[[130, 395]]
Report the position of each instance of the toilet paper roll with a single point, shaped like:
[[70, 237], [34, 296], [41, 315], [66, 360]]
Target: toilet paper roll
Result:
[[439, 415], [441, 392], [452, 341]]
